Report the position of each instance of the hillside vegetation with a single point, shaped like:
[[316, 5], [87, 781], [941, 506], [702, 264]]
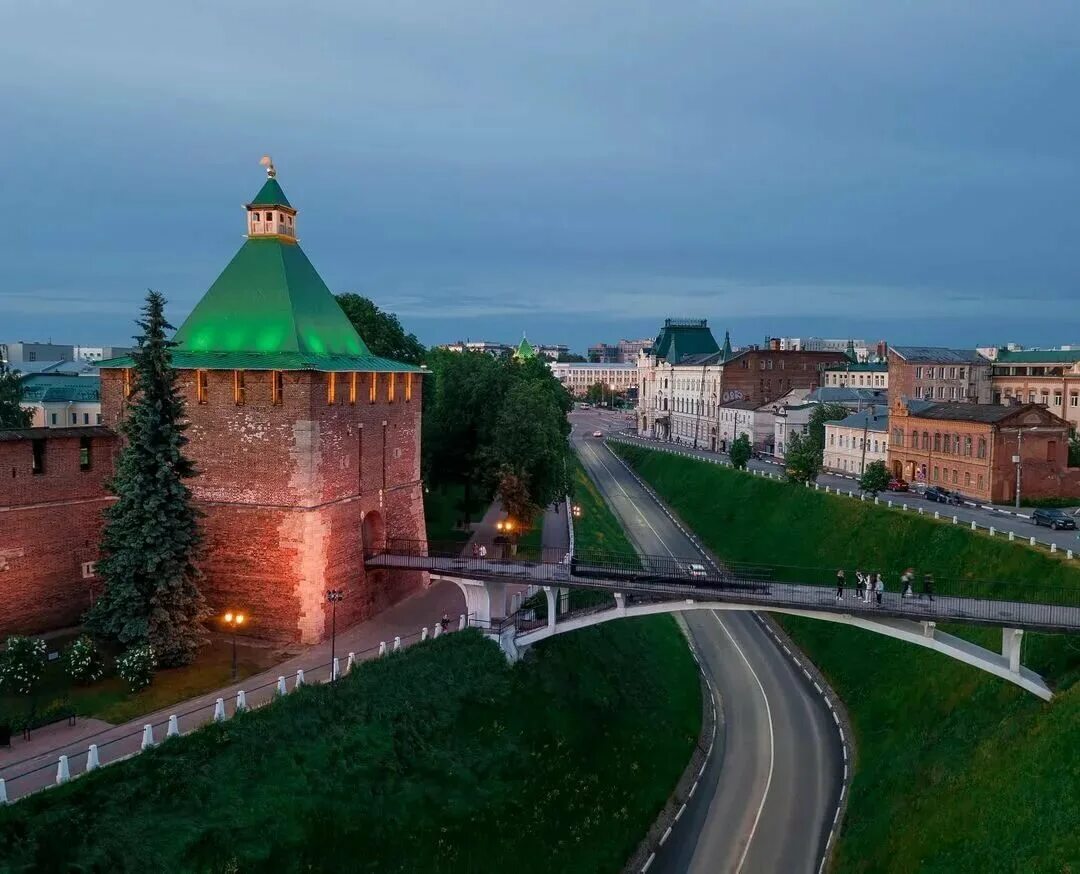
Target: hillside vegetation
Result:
[[957, 770]]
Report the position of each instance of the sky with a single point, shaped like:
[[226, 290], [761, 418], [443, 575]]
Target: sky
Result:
[[574, 170]]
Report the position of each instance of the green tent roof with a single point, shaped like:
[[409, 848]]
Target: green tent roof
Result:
[[525, 349], [271, 195]]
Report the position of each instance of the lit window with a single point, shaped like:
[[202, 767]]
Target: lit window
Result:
[[331, 388], [128, 389], [373, 388], [391, 387], [201, 386], [408, 387], [255, 216], [238, 387], [353, 377], [277, 386]]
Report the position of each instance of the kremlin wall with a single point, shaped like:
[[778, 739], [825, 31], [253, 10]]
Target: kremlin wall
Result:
[[306, 444]]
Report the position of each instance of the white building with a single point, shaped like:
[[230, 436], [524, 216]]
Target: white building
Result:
[[854, 442], [870, 374], [579, 376], [860, 348]]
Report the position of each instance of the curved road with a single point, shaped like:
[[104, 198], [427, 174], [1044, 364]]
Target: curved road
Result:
[[769, 794]]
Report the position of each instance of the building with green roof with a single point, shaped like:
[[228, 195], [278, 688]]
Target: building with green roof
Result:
[[58, 400], [524, 350]]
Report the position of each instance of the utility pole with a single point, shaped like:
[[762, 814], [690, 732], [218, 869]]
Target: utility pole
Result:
[[865, 428], [1016, 458]]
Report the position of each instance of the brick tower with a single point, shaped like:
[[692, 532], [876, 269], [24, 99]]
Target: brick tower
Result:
[[307, 445]]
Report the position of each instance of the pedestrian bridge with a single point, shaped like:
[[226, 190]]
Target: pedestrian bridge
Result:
[[646, 585]]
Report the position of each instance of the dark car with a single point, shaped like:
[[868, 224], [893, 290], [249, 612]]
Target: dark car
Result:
[[897, 485], [1054, 518], [941, 496]]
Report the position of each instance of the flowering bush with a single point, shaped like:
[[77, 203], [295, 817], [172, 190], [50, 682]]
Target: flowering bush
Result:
[[137, 666], [83, 661], [22, 664]]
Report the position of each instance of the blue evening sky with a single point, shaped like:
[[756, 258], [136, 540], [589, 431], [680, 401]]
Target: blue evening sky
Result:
[[578, 170]]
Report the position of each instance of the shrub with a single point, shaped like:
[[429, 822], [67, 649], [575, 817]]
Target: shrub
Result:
[[137, 666], [22, 664], [83, 662]]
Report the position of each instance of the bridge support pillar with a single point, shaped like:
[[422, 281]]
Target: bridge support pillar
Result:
[[1011, 638], [552, 607], [620, 602]]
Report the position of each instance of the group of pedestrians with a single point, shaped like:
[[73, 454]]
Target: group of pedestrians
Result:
[[870, 585]]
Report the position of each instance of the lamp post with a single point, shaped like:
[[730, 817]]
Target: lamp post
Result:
[[333, 596], [234, 621]]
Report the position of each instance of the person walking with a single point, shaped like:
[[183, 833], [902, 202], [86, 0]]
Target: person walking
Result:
[[927, 587], [483, 551], [445, 623], [868, 595], [879, 588], [860, 584], [906, 580], [475, 550], [840, 585]]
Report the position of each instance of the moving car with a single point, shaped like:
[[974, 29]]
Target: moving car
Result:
[[942, 496], [1054, 518], [598, 433], [696, 570], [897, 485]]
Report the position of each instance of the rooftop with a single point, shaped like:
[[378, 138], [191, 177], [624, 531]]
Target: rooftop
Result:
[[1038, 356], [989, 413], [875, 418], [861, 367], [9, 434], [54, 388], [938, 355], [845, 394], [680, 338]]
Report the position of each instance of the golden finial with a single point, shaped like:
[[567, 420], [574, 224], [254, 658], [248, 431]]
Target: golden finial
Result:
[[269, 165]]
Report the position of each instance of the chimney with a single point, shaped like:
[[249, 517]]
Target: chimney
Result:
[[774, 344], [882, 350]]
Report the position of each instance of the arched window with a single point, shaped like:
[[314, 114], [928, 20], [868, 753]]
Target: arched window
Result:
[[937, 444], [897, 437], [967, 445], [982, 447], [956, 447], [925, 439], [914, 439]]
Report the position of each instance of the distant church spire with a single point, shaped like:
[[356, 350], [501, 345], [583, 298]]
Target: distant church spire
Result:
[[726, 351]]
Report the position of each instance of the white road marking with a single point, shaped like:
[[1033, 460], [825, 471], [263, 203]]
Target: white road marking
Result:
[[772, 743]]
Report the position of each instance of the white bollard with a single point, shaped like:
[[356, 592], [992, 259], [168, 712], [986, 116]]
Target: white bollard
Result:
[[335, 669], [991, 529], [850, 493], [890, 503], [1068, 554], [241, 701], [920, 511], [862, 496], [956, 520], [397, 643], [437, 630], [974, 527], [826, 489], [461, 622], [147, 736], [282, 689], [1032, 541], [877, 500], [3, 791], [63, 773], [423, 633], [817, 486], [903, 506], [1012, 535], [299, 678], [1053, 547], [174, 727], [350, 663], [219, 710], [382, 647], [93, 762], [937, 515]]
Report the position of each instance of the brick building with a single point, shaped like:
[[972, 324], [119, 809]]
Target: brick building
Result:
[[970, 448], [52, 493], [934, 373], [307, 445]]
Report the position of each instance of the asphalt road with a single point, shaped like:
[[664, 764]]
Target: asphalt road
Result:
[[1004, 520], [768, 796]]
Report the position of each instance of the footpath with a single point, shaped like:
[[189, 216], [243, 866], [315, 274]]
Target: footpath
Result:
[[35, 764]]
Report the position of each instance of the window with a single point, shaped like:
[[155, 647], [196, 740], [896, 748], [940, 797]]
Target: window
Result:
[[937, 443], [1051, 449], [74, 418], [954, 476], [952, 373], [982, 447], [967, 446], [936, 477], [961, 373], [1074, 399], [99, 418], [941, 392], [331, 388], [86, 418], [255, 216], [391, 387], [128, 387], [84, 453], [956, 444], [897, 437], [1044, 398], [201, 386], [980, 480], [53, 418], [89, 569], [37, 461], [1031, 397], [373, 388], [967, 477], [914, 439], [918, 373], [925, 439], [238, 387], [277, 385], [1057, 398]]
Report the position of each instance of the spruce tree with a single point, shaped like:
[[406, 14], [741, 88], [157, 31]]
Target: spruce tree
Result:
[[151, 532], [12, 415]]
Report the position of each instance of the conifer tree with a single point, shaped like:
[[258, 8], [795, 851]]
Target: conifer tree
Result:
[[151, 532], [11, 414]]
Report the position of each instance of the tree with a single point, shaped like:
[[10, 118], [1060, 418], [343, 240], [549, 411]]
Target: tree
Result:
[[803, 458], [571, 358], [821, 414], [740, 451], [12, 414], [875, 478], [381, 331], [1074, 450], [151, 533]]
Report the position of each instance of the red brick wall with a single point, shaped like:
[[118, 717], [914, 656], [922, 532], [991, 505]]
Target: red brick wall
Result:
[[50, 524], [744, 378], [284, 486]]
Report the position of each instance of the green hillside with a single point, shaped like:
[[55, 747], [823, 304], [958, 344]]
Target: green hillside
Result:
[[958, 771]]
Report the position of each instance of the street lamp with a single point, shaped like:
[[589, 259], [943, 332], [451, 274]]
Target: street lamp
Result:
[[577, 511], [234, 621], [333, 596]]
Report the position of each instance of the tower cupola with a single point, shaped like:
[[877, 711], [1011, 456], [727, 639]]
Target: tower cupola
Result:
[[270, 214]]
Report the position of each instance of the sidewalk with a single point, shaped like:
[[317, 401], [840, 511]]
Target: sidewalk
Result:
[[32, 765]]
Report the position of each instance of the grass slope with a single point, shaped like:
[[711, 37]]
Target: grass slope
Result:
[[440, 758], [958, 771]]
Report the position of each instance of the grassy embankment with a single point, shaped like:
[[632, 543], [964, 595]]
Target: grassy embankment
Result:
[[440, 758], [957, 770]]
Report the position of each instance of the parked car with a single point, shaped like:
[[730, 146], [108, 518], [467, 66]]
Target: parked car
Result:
[[1054, 518], [897, 485], [598, 433], [942, 496]]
